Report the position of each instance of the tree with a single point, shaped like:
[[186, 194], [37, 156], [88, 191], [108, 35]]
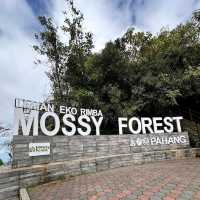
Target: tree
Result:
[[109, 82], [65, 59], [1, 162], [168, 67], [53, 49]]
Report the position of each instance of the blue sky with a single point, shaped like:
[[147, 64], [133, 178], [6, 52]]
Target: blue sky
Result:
[[39, 7], [106, 19]]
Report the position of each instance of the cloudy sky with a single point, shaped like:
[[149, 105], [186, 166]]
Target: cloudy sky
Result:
[[107, 19]]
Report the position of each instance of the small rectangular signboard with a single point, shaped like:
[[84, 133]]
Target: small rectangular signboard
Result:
[[39, 149]]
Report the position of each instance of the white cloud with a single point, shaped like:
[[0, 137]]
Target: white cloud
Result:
[[19, 77], [152, 15], [102, 18], [107, 21]]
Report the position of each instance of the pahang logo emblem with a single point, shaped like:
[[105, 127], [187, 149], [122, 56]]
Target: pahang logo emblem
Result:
[[139, 141]]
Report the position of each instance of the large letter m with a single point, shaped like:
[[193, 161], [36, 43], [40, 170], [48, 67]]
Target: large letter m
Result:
[[32, 119]]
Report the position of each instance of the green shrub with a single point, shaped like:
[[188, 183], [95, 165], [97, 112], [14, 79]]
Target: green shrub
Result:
[[1, 162]]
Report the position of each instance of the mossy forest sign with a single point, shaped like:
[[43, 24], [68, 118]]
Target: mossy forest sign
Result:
[[70, 121]]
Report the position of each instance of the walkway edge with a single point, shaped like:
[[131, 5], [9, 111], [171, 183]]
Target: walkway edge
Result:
[[23, 194]]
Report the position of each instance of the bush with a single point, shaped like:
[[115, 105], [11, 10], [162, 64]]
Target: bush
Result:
[[1, 162]]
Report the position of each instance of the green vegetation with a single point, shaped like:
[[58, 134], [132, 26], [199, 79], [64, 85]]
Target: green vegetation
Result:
[[137, 74], [1, 162]]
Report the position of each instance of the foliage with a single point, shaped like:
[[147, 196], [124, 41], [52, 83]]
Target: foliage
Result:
[[65, 59], [1, 162], [137, 74]]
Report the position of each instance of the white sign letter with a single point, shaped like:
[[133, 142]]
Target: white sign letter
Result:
[[84, 124], [97, 124], [120, 120], [168, 123], [43, 125], [130, 125], [26, 127], [70, 124], [178, 123], [146, 123], [157, 124]]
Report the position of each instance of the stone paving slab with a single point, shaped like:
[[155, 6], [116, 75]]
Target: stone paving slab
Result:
[[164, 180]]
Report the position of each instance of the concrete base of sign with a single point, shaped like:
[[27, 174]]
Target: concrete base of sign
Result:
[[13, 179], [63, 148]]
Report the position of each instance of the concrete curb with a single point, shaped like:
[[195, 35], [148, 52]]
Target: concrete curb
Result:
[[23, 194]]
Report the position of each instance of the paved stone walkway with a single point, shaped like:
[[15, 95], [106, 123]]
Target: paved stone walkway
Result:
[[165, 180]]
